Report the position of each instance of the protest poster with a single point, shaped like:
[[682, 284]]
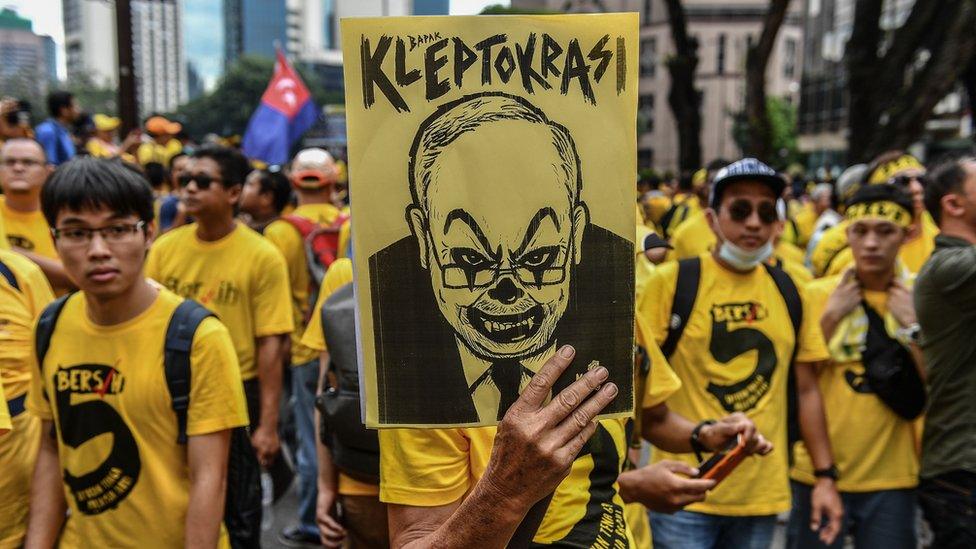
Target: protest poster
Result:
[[492, 167]]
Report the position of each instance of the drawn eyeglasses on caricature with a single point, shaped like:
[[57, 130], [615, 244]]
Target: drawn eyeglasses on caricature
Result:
[[532, 264]]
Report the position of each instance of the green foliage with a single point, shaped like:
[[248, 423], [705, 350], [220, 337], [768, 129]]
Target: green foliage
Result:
[[782, 119], [227, 109], [91, 97]]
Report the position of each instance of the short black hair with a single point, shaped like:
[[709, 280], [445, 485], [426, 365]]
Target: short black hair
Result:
[[717, 164], [234, 166], [93, 183], [278, 185], [58, 100], [882, 193], [947, 177], [157, 174], [172, 159]]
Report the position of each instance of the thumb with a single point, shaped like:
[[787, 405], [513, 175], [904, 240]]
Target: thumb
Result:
[[815, 517], [679, 467]]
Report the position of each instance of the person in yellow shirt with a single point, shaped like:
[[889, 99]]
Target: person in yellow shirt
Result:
[[103, 143], [874, 447], [237, 274], [24, 292], [734, 335], [831, 254], [23, 169], [5, 423], [114, 470], [163, 144], [264, 196], [4, 244]]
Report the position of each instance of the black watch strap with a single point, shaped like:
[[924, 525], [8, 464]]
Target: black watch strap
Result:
[[696, 444], [830, 472]]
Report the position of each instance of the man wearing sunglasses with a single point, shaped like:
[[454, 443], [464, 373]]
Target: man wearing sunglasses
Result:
[[735, 332], [831, 255], [237, 274]]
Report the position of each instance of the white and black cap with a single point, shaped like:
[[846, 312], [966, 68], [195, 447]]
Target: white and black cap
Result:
[[747, 169]]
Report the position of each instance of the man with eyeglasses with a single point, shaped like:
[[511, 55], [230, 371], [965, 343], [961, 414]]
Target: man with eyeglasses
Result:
[[735, 331], [831, 255], [23, 169], [236, 273], [110, 466]]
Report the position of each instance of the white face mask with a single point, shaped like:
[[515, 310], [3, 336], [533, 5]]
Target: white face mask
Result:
[[741, 259]]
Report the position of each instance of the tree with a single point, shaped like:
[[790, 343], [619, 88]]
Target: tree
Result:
[[91, 97], [228, 108], [895, 78], [760, 142], [683, 97], [782, 145]]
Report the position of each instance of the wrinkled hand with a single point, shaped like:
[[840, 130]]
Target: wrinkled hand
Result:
[[266, 444], [825, 504], [845, 298], [536, 443], [719, 434], [331, 533], [661, 487], [900, 304]]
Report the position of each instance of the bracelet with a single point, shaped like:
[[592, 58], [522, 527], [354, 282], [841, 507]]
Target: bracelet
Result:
[[830, 472], [696, 444]]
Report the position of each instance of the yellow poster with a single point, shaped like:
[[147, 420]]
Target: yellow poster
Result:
[[492, 162]]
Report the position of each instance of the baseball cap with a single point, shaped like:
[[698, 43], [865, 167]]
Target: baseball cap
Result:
[[747, 169], [106, 123], [313, 169], [159, 125]]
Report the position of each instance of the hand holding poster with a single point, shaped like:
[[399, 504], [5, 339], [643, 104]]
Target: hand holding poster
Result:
[[492, 168]]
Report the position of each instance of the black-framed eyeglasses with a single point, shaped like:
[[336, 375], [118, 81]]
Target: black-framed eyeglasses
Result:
[[740, 210], [203, 180], [112, 234]]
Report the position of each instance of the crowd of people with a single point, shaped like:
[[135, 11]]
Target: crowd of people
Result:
[[175, 330]]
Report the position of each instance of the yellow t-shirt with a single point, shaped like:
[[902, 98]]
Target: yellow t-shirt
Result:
[[806, 220], [104, 387], [734, 356], [289, 242], [916, 252], [154, 152], [242, 278], [338, 275], [4, 245], [873, 447], [345, 232], [19, 308], [686, 207], [4, 412], [29, 231]]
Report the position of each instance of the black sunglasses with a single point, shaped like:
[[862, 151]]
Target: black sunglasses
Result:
[[203, 180], [903, 181], [741, 209]]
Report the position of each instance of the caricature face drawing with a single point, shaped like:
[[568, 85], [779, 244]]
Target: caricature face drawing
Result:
[[500, 248]]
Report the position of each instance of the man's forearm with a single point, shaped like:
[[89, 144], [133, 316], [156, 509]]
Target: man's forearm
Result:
[[268, 356], [813, 422], [328, 473], [47, 505], [207, 463], [667, 430]]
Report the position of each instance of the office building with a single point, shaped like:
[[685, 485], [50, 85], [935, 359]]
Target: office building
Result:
[[27, 60]]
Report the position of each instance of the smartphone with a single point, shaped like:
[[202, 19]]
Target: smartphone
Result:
[[724, 461]]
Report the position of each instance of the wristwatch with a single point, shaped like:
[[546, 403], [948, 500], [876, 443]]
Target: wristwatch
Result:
[[909, 335], [830, 472], [696, 443]]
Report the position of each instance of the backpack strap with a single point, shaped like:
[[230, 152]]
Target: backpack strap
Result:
[[45, 330], [302, 225], [685, 293], [794, 305], [176, 358], [9, 276]]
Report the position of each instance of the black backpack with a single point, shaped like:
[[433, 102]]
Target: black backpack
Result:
[[685, 293], [242, 509], [355, 449], [890, 369], [8, 275]]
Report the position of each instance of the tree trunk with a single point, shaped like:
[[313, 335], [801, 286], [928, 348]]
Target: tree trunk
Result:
[[893, 93], [760, 132], [683, 97]]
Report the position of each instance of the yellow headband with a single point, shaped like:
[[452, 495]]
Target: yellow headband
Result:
[[883, 173], [884, 210]]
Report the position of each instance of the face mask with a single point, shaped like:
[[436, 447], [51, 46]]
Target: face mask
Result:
[[743, 260]]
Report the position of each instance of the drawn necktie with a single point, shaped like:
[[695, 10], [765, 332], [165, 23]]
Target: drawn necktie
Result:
[[507, 376]]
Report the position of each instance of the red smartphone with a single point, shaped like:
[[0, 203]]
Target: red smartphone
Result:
[[724, 461]]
